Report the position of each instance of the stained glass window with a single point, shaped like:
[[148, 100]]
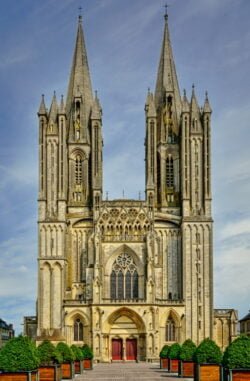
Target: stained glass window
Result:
[[124, 278]]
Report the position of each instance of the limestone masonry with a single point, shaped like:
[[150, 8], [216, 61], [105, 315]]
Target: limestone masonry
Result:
[[126, 276]]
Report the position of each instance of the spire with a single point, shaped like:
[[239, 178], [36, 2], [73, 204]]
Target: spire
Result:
[[185, 104], [62, 106], [42, 109], [207, 107], [194, 104], [167, 77], [151, 106], [53, 109], [80, 83], [96, 112]]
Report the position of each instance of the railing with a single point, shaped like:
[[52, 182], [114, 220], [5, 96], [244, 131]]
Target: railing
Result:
[[167, 302]]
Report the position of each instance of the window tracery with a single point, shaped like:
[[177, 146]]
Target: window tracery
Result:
[[78, 330], [170, 330], [124, 278]]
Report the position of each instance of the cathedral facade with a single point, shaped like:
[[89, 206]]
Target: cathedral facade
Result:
[[125, 276]]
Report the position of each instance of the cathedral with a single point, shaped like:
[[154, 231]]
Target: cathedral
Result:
[[125, 276]]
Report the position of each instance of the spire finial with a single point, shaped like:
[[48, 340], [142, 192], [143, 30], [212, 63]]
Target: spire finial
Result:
[[166, 11], [184, 93], [96, 94], [80, 15]]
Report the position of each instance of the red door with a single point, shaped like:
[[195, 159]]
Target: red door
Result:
[[117, 349], [131, 349]]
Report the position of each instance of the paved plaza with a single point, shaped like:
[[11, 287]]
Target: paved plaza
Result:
[[128, 372]]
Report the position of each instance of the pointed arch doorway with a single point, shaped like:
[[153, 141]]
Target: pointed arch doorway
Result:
[[126, 336]]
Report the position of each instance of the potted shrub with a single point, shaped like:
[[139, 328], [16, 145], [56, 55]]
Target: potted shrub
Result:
[[87, 357], [164, 357], [68, 358], [207, 359], [50, 359], [173, 358], [186, 364], [236, 360], [78, 358], [19, 360]]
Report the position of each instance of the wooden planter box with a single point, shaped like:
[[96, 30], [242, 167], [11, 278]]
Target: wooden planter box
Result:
[[50, 373], [87, 364], [207, 372], [67, 371], [236, 374], [163, 363], [77, 364], [173, 365], [19, 376], [186, 368]]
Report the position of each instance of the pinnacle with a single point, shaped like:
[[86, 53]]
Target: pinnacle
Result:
[[207, 107], [42, 108]]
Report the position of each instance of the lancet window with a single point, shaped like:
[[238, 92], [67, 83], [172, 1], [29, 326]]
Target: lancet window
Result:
[[124, 279], [78, 330], [78, 169], [169, 172], [170, 330]]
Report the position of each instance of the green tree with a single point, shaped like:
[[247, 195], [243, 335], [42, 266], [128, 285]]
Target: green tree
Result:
[[187, 350], [48, 353], [208, 352], [19, 354], [174, 351], [77, 352], [237, 354], [87, 352], [66, 352], [164, 352]]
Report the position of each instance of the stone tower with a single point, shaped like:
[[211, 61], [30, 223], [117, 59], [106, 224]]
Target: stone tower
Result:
[[125, 276]]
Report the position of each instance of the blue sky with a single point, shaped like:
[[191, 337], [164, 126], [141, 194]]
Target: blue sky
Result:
[[211, 41]]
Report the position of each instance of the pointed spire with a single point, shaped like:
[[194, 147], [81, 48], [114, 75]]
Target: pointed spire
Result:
[[62, 106], [207, 107], [185, 103], [194, 103], [167, 78], [80, 82], [151, 106], [96, 112], [42, 109], [53, 109]]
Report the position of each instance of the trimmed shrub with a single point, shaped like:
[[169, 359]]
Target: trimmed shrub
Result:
[[187, 350], [66, 352], [87, 352], [208, 353], [164, 352], [19, 354], [237, 354], [174, 351], [77, 352], [48, 353]]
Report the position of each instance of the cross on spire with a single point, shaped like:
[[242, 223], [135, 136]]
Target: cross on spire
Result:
[[166, 11], [80, 14]]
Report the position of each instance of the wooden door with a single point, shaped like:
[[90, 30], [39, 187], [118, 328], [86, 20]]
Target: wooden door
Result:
[[117, 349], [131, 349]]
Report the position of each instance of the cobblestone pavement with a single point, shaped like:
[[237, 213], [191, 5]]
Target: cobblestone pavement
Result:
[[128, 372]]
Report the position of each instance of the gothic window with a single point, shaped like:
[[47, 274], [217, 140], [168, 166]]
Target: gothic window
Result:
[[78, 330], [78, 169], [124, 279], [170, 330], [169, 172]]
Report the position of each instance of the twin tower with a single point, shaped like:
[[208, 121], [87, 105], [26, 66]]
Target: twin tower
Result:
[[125, 276]]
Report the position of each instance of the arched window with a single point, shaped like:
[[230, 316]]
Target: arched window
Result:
[[124, 278], [78, 169], [169, 172], [170, 330], [78, 330]]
